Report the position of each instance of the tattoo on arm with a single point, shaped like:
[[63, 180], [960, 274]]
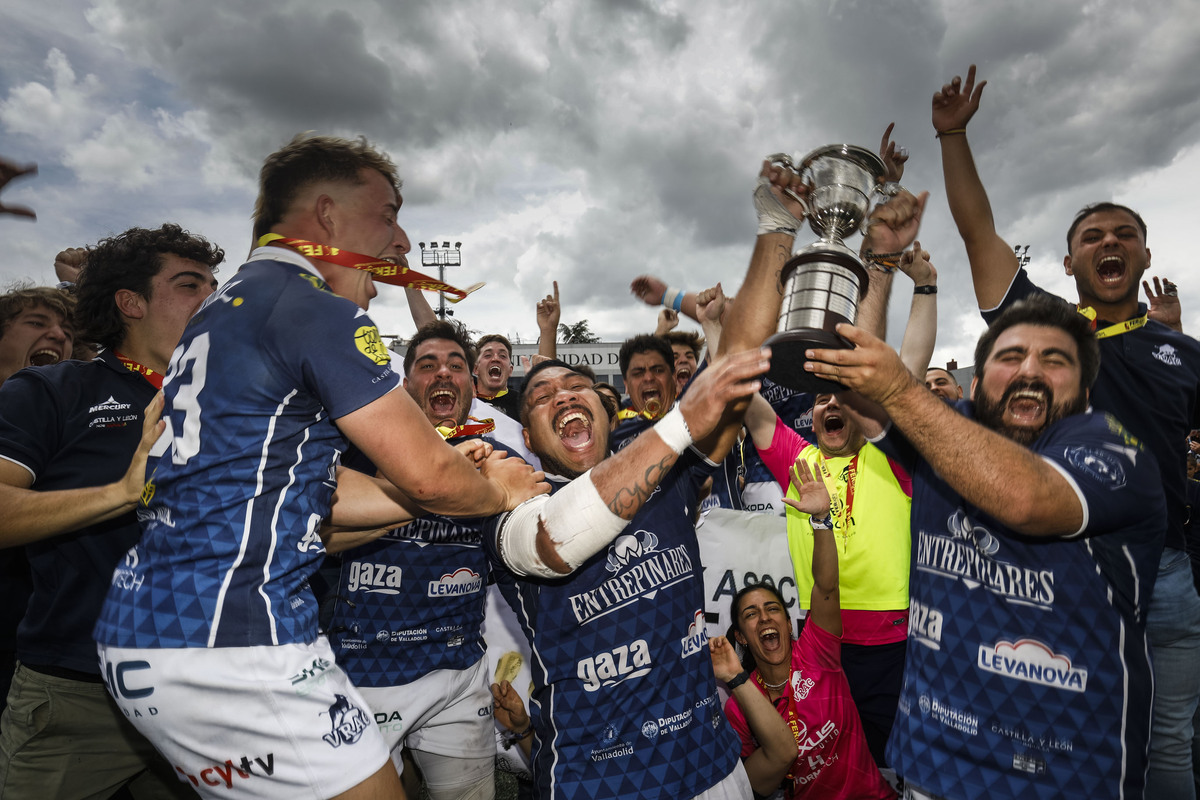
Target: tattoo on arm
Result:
[[630, 498]]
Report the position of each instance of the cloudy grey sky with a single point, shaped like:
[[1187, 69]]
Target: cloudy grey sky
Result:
[[589, 141]]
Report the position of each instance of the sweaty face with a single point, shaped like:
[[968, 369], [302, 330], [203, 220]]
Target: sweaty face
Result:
[[1108, 257], [567, 426], [943, 385], [440, 382], [363, 220], [685, 366], [763, 627], [837, 434], [650, 382], [493, 367], [1030, 380], [35, 337]]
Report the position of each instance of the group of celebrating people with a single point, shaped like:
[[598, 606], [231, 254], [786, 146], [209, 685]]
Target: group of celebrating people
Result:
[[249, 557]]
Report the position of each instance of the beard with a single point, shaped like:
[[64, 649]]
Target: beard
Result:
[[991, 414]]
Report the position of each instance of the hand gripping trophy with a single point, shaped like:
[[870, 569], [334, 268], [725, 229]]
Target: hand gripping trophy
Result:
[[824, 282]]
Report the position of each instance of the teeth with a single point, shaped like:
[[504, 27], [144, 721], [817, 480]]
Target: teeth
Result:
[[574, 415], [1029, 394], [442, 393]]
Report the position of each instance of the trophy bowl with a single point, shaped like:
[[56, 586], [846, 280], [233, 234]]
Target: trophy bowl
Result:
[[824, 282]]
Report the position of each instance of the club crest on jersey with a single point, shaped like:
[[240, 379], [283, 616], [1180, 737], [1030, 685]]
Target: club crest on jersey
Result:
[[367, 340], [1034, 662], [1100, 464], [1167, 355], [630, 547], [347, 722], [697, 636]]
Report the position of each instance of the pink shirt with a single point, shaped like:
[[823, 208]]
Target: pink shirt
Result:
[[834, 761]]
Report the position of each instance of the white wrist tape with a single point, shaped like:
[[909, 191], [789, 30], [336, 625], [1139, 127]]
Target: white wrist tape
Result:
[[773, 216], [577, 520], [673, 430]]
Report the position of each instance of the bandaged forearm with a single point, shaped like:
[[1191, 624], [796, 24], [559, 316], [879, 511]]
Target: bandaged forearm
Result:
[[576, 519], [773, 216]]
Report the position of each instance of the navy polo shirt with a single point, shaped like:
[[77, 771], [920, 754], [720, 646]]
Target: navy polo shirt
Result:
[[1149, 380], [72, 425]]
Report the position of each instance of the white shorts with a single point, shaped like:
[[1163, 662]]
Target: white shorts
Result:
[[277, 722], [446, 712]]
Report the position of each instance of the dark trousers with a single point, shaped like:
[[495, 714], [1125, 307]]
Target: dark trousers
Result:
[[875, 674]]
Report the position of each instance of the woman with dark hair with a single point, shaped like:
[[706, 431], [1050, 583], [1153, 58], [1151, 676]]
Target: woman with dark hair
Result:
[[803, 678]]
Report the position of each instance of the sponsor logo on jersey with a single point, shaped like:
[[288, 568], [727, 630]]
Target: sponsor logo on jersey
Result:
[[653, 728], [347, 722], [925, 625], [461, 581], [373, 578], [968, 554], [801, 685], [696, 640], [223, 774], [642, 570], [109, 406], [1024, 738], [615, 666], [1167, 355], [817, 739], [946, 715], [1034, 662], [368, 342], [112, 414]]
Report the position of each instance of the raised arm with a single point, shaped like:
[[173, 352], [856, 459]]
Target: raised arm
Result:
[[767, 765], [825, 608], [553, 536], [1017, 487], [993, 263], [549, 311], [418, 306], [920, 334]]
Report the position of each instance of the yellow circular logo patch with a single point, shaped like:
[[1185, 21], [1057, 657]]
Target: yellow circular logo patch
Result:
[[367, 340]]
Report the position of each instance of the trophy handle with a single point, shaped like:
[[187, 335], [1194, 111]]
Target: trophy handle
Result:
[[785, 160], [886, 191]]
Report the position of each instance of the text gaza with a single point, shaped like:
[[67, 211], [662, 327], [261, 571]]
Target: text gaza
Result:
[[620, 664], [374, 578]]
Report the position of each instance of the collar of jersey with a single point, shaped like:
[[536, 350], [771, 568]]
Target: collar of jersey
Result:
[[268, 253]]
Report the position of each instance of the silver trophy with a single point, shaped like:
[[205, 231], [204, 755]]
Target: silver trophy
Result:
[[824, 282]]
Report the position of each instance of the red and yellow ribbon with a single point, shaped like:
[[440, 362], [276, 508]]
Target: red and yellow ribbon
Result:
[[384, 271]]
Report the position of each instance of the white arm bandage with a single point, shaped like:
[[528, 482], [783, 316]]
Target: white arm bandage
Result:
[[773, 216], [578, 521]]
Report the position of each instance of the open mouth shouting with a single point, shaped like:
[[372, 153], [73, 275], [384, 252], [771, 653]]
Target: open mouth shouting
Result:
[[769, 639], [1110, 270], [443, 402], [573, 425], [45, 356], [1027, 404], [682, 376]]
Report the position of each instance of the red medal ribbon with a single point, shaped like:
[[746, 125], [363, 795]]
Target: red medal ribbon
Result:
[[479, 428], [487, 399], [384, 271], [792, 716], [155, 378], [844, 517]]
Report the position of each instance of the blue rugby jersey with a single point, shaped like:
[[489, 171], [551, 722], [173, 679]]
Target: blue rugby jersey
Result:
[[72, 425], [1028, 671], [412, 601], [230, 518], [625, 704], [1150, 380]]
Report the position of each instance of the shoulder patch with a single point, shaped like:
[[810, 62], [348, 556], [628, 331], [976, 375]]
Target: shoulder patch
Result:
[[1101, 465], [369, 343]]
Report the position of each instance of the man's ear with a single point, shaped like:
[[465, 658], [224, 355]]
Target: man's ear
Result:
[[974, 383], [1067, 264], [525, 433], [130, 303], [325, 210]]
